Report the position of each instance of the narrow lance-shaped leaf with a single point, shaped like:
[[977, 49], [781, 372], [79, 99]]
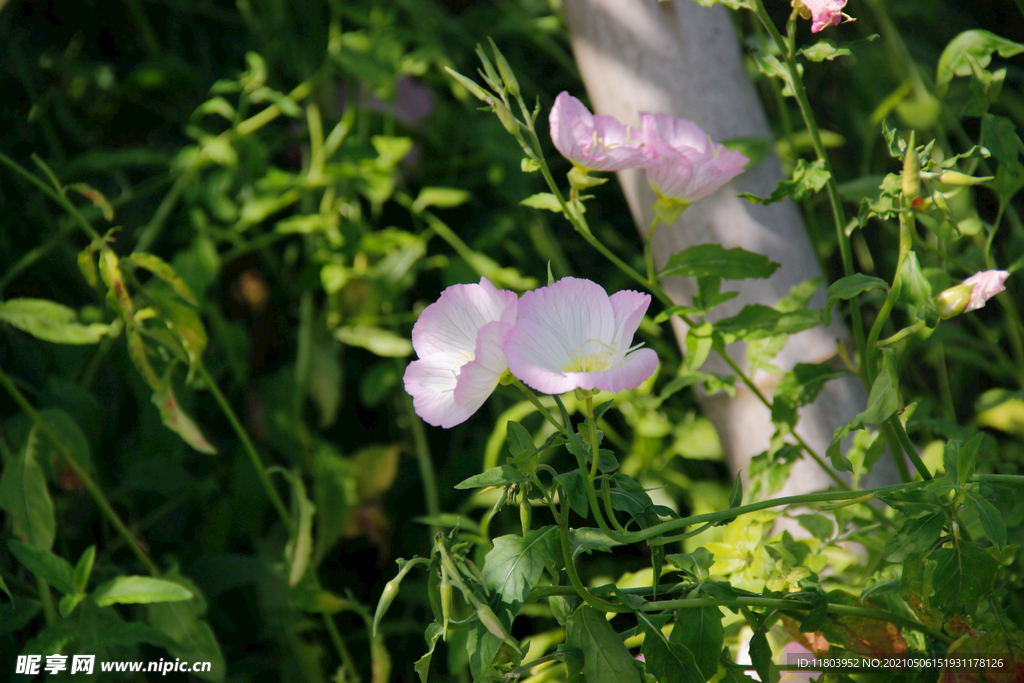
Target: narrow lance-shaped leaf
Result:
[[605, 657], [139, 589], [50, 321], [40, 561], [25, 496]]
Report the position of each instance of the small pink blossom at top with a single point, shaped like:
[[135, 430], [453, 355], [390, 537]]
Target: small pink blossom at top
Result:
[[572, 335], [597, 143], [824, 13], [984, 286], [458, 340], [690, 166]]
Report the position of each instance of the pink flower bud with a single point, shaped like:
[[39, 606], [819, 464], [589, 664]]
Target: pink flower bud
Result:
[[597, 143], [986, 285]]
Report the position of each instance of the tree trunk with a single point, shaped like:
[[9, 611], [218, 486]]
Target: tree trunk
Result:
[[682, 59]]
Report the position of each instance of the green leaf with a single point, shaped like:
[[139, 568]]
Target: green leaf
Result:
[[820, 526], [917, 534], [761, 655], [376, 340], [991, 519], [441, 197], [25, 497], [958, 458], [16, 614], [847, 288], [715, 260], [335, 493], [495, 476], [884, 398], [700, 632], [670, 662], [757, 321], [83, 569], [963, 575], [588, 539], [515, 564], [826, 49], [543, 200], [697, 563], [126, 590], [807, 179], [3, 587], [164, 271], [301, 548], [605, 657], [50, 321], [736, 495], [184, 624], [54, 570], [731, 4], [177, 420], [976, 45], [576, 490], [519, 440], [69, 602], [422, 666], [184, 323]]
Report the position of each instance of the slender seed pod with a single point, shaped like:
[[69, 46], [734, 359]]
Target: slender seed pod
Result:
[[386, 598], [490, 620], [446, 602]]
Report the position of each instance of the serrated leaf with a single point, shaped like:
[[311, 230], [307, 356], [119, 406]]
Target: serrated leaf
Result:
[[757, 321], [697, 563], [605, 657], [991, 519], [917, 535], [807, 179], [587, 540], [515, 564], [715, 260], [50, 321], [126, 590], [963, 575], [53, 569], [958, 458], [670, 662], [884, 398], [847, 288], [974, 45], [543, 200]]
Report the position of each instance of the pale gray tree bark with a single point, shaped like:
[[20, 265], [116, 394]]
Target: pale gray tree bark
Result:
[[683, 59]]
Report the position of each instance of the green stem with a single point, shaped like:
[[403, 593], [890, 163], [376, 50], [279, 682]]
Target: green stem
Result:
[[46, 598], [250, 451], [788, 49], [156, 224], [532, 398], [592, 424], [570, 565], [895, 447], [94, 490], [901, 435], [52, 194], [426, 463], [648, 256]]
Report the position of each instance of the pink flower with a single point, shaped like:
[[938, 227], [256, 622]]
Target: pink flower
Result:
[[690, 165], [572, 335], [597, 143], [984, 285], [824, 12], [458, 340]]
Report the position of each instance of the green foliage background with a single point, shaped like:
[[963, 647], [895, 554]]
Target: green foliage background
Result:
[[307, 303]]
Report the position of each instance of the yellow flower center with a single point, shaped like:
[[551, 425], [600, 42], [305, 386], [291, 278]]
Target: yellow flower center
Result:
[[590, 362]]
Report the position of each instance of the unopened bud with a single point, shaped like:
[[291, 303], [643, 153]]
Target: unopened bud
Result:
[[110, 271], [911, 171], [506, 118], [509, 78], [87, 265], [386, 598], [490, 620], [446, 602], [957, 178], [953, 301]]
